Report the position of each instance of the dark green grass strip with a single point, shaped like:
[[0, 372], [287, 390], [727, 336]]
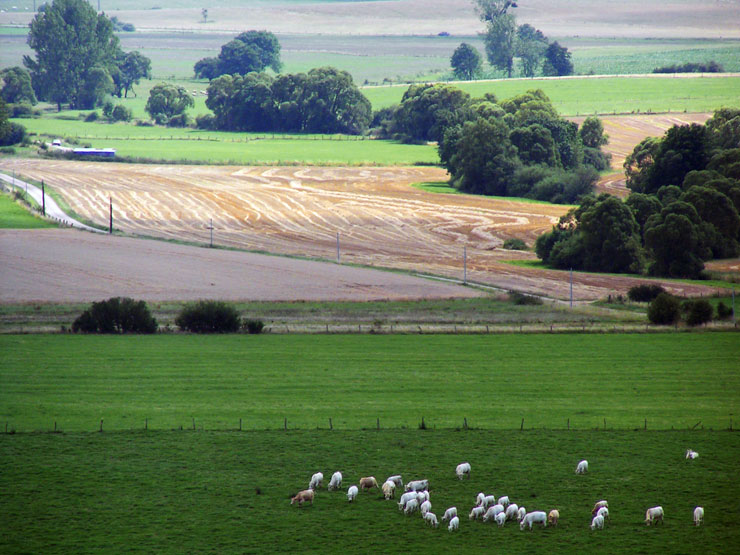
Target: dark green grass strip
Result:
[[229, 492], [672, 380]]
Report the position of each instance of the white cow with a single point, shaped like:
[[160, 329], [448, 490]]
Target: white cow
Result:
[[698, 516], [462, 469], [582, 467], [454, 524], [653, 515], [535, 517]]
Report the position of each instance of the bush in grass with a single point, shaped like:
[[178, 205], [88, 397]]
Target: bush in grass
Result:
[[253, 326], [208, 317], [116, 315], [92, 116], [723, 311], [521, 299], [205, 121], [515, 245], [644, 293], [699, 312], [120, 113], [179, 120], [665, 309]]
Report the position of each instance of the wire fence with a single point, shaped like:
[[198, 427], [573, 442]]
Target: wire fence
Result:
[[193, 424]]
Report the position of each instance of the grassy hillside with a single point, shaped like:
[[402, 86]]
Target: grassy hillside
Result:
[[673, 380], [15, 216], [229, 492]]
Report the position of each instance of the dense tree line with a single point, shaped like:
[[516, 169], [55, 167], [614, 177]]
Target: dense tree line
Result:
[[516, 147], [691, 67], [78, 59], [324, 100], [683, 209], [506, 41], [252, 51]]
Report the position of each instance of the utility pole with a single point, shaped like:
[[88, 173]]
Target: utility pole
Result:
[[338, 258], [43, 198], [211, 228], [110, 216], [571, 287], [465, 265]]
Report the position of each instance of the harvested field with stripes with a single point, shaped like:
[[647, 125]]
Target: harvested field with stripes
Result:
[[381, 220]]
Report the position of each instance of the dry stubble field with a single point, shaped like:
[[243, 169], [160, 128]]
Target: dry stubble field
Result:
[[381, 220]]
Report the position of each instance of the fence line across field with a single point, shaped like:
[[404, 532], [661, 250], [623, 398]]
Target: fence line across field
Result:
[[195, 425]]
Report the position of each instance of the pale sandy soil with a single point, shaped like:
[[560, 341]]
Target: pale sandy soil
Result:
[[585, 18]]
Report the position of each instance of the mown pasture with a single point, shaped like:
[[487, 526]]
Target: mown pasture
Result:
[[600, 95], [553, 381], [227, 492]]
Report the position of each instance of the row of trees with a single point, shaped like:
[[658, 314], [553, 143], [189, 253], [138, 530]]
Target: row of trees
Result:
[[683, 209], [516, 147], [505, 40], [324, 100], [78, 59]]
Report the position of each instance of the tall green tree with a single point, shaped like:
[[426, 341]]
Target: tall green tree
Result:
[[247, 52], [69, 39], [15, 85], [488, 10], [427, 111], [500, 41], [465, 61], [557, 61], [132, 68], [167, 101], [530, 48]]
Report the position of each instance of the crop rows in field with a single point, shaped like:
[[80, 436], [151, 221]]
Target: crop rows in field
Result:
[[380, 219]]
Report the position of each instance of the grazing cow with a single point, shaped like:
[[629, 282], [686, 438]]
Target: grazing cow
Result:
[[303, 496], [654, 515]]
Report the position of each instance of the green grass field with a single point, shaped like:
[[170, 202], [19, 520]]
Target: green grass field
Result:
[[673, 380], [15, 216], [578, 96], [229, 492]]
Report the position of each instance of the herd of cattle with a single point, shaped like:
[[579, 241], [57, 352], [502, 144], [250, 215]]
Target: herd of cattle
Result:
[[416, 498]]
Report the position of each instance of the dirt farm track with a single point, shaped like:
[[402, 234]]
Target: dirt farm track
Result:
[[380, 218]]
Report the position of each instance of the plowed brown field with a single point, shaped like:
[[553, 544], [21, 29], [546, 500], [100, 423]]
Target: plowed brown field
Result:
[[381, 220]]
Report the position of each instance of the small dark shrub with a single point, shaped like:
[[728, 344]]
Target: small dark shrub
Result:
[[180, 120], [7, 150], [521, 299], [120, 113], [665, 309], [108, 108], [515, 245], [209, 317], [723, 311], [253, 326], [22, 110], [16, 134], [205, 121], [116, 315], [700, 312], [92, 116], [644, 293]]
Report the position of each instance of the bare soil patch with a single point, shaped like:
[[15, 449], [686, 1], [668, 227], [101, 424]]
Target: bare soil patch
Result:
[[381, 220], [67, 266]]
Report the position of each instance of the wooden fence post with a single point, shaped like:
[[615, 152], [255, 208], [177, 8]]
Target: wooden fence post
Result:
[[378, 423], [522, 426], [101, 424], [240, 424], [285, 424], [568, 423], [330, 425], [465, 423]]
